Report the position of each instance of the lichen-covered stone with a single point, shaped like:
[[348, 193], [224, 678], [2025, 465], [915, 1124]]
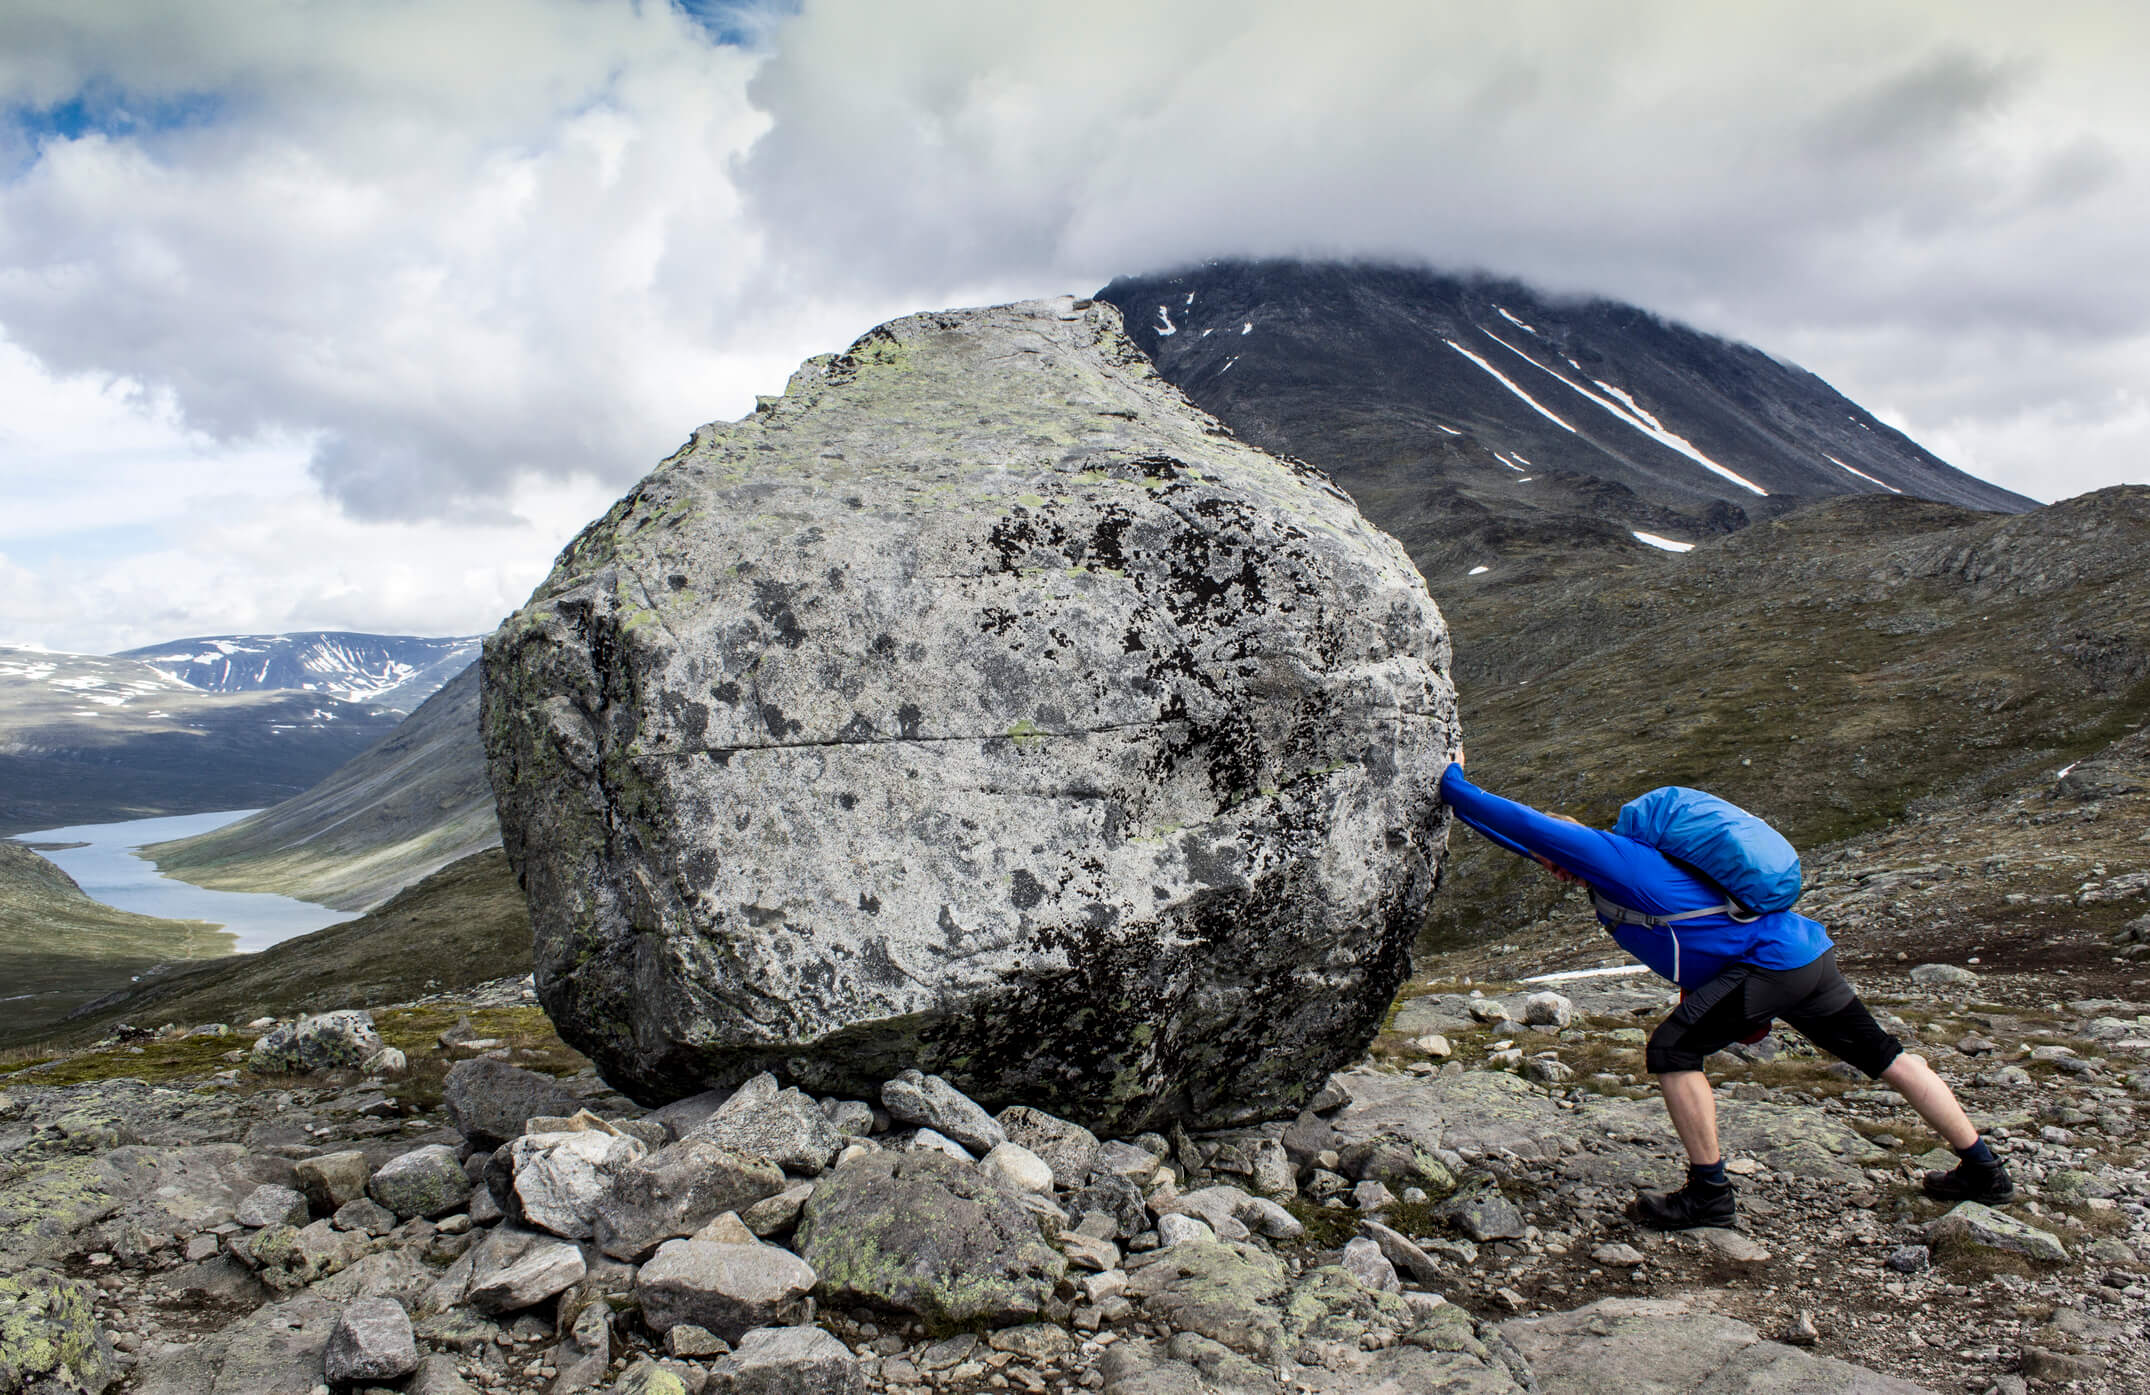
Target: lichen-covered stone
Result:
[[426, 1181], [979, 706], [925, 1234], [328, 1041], [675, 1191], [49, 1337]]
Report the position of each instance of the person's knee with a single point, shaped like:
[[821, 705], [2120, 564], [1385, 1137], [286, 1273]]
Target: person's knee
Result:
[[1667, 1054]]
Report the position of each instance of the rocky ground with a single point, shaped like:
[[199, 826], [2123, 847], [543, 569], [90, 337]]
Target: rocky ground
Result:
[[189, 1211]]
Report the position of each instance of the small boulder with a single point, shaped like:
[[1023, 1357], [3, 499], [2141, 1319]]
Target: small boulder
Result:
[[49, 1337], [544, 1270], [931, 1102], [558, 1180], [488, 1102], [372, 1341], [270, 1204], [1548, 1010], [1016, 1168], [1069, 1149], [924, 1234], [1943, 976], [1174, 1228], [721, 1287], [1364, 1261], [1480, 1211], [675, 1191], [333, 1179], [427, 1181], [788, 1361], [782, 1126], [1971, 1224], [329, 1041]]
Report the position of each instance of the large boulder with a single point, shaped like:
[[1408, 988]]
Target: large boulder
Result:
[[979, 706], [49, 1337], [922, 1233], [331, 1041]]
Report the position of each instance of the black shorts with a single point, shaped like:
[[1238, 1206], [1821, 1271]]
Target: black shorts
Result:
[[1743, 1000]]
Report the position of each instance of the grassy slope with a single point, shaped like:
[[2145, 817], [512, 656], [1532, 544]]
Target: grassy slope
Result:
[[1834, 670], [412, 804], [59, 948], [463, 925]]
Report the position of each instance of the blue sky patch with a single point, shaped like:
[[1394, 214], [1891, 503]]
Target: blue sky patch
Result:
[[739, 23], [100, 109]]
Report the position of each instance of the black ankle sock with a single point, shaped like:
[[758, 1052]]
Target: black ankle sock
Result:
[[1978, 1154], [1707, 1174]]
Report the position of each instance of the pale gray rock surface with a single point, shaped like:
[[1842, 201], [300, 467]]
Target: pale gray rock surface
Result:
[[788, 1361], [1617, 1346], [782, 1126], [545, 1269], [677, 1190], [980, 706], [722, 1288], [558, 1180], [270, 1204], [1970, 1224], [1069, 1149], [371, 1341], [932, 1103]]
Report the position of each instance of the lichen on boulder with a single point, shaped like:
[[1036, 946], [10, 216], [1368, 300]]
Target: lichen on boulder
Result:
[[49, 1337], [979, 706]]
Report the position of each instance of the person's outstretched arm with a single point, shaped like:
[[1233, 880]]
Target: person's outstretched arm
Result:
[[1600, 858]]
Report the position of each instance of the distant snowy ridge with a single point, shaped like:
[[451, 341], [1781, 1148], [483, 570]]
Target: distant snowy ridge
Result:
[[395, 671]]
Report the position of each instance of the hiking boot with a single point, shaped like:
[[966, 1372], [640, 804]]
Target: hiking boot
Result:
[[1969, 1182], [1686, 1209]]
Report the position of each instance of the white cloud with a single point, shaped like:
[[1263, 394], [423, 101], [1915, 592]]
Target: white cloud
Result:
[[444, 266]]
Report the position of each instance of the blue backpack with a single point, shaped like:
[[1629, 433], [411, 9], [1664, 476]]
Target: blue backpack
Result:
[[1754, 864]]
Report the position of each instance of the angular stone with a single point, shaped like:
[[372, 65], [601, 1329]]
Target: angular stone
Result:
[[328, 1041], [777, 1214], [372, 1341], [270, 1204], [1618, 1256], [1364, 1261], [543, 1271], [1234, 1213], [780, 729], [1069, 1149], [1173, 1228], [488, 1102], [365, 1214], [674, 1192], [1403, 1254], [723, 1288], [437, 1375], [682, 1117], [1971, 1224], [558, 1180], [1480, 1211], [932, 1103], [924, 1234], [788, 1361], [688, 1342], [427, 1181], [647, 1377], [781, 1126], [49, 1337], [1117, 1196], [333, 1179]]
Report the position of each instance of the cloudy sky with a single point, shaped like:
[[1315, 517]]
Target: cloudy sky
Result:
[[347, 315]]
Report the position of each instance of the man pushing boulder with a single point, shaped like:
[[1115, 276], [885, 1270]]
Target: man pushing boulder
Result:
[[1700, 891]]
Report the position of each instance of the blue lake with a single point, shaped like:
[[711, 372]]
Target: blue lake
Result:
[[109, 869]]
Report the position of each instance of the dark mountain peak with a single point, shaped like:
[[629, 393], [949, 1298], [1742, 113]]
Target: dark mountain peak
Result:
[[1570, 423]]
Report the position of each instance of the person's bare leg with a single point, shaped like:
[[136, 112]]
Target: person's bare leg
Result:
[[1694, 1113], [1926, 1092]]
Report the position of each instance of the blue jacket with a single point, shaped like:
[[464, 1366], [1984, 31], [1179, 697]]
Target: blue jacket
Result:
[[1640, 877]]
